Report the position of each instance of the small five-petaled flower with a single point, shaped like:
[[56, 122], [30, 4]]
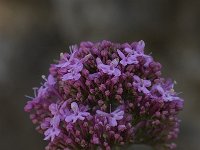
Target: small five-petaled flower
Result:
[[112, 117]]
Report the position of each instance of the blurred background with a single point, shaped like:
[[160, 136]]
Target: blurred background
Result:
[[33, 33]]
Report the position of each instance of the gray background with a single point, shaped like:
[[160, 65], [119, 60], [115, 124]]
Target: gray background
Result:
[[33, 33]]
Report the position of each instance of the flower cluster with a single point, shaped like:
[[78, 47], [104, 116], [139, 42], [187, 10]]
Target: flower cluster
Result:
[[104, 95]]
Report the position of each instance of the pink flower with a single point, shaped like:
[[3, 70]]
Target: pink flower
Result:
[[140, 46], [50, 81], [55, 121], [130, 59], [76, 113], [42, 91], [112, 117], [138, 51], [165, 93], [51, 133], [71, 107], [67, 62], [141, 85], [73, 73], [73, 69], [109, 69], [57, 112]]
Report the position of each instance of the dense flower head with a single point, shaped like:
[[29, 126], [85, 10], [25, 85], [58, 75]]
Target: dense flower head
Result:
[[104, 95]]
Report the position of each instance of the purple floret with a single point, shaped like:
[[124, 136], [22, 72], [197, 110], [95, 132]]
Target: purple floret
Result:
[[76, 113], [112, 117], [141, 84], [109, 69], [130, 59]]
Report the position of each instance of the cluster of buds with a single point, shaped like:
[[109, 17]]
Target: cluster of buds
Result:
[[105, 95]]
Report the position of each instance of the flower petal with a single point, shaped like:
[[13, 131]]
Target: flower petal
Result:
[[112, 121], [121, 54]]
